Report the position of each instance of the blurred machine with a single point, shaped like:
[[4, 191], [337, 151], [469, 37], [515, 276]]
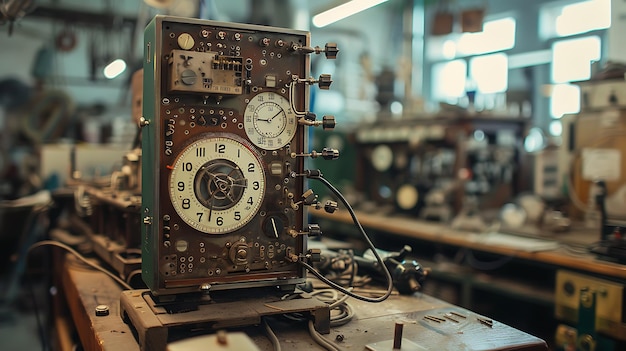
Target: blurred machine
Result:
[[435, 168], [594, 310]]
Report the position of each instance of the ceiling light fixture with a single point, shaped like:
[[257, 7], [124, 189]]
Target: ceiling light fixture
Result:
[[342, 11]]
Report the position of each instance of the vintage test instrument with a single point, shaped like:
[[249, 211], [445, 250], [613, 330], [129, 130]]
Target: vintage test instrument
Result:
[[223, 137]]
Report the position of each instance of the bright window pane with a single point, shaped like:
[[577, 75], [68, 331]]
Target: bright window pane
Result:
[[449, 80], [496, 35], [583, 17], [571, 59], [580, 17], [565, 99], [490, 73]]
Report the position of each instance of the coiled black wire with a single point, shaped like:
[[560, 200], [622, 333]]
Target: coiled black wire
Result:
[[318, 176]]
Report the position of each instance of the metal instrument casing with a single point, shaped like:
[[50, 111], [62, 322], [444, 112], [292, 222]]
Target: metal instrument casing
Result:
[[199, 78]]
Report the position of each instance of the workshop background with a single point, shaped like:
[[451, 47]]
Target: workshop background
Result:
[[500, 119]]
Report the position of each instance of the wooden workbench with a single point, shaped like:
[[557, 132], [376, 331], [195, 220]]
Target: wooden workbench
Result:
[[514, 283], [442, 234], [373, 324]]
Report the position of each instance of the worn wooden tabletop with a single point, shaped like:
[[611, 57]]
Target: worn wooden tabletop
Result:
[[428, 323]]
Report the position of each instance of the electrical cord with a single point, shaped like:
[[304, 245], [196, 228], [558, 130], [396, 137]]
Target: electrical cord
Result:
[[353, 268], [292, 97], [121, 282], [331, 297], [42, 243], [43, 336], [132, 275], [320, 340], [318, 176], [271, 335], [475, 263], [343, 269]]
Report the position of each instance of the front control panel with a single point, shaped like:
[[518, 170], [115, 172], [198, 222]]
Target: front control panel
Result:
[[222, 105]]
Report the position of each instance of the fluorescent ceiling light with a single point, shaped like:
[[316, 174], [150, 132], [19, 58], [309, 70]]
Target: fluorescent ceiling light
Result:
[[114, 68], [342, 11]]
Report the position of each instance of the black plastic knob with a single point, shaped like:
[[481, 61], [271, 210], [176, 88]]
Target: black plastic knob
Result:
[[314, 255], [314, 230], [330, 206], [328, 122], [325, 81], [331, 50]]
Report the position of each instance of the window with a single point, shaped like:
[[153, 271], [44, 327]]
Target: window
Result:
[[497, 35], [565, 98], [490, 73], [449, 80], [580, 17], [571, 59]]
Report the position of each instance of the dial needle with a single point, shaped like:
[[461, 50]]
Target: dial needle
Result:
[[274, 116], [274, 226], [269, 120], [211, 207]]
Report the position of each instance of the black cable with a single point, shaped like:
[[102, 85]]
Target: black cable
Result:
[[475, 263], [40, 327], [117, 279], [43, 338], [318, 175], [45, 344]]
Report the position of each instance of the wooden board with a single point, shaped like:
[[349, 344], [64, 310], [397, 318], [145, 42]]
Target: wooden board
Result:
[[373, 323]]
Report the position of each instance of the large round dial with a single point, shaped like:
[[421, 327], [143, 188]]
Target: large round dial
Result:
[[269, 121], [217, 184]]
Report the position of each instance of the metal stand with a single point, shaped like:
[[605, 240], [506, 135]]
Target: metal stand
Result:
[[153, 321]]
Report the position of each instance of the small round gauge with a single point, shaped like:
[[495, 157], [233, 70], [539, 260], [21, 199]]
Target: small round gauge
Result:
[[407, 197], [382, 157], [269, 121], [217, 184]]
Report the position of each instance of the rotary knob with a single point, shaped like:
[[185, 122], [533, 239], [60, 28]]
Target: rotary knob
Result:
[[239, 254]]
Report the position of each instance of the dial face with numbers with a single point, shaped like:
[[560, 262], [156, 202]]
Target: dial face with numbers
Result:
[[269, 121], [217, 184]]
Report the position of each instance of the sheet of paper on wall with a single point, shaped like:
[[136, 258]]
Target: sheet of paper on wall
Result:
[[601, 164]]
